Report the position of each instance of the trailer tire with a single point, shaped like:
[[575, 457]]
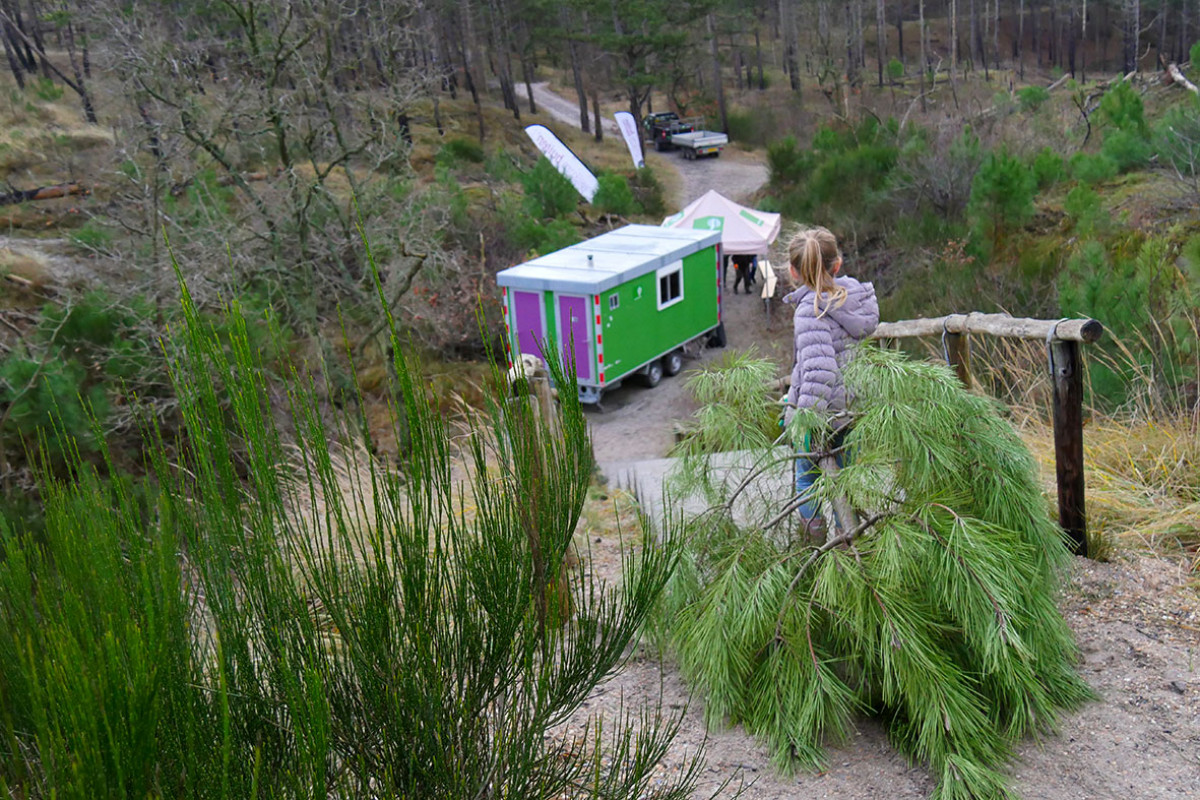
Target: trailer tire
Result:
[[653, 374], [672, 363], [717, 337]]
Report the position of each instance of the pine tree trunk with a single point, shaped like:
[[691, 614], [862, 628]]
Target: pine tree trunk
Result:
[[921, 36], [89, 110], [1083, 42], [973, 32], [996, 34], [1130, 23], [1019, 44], [762, 84], [580, 93], [1163, 10], [1034, 19], [954, 39], [880, 37], [718, 84], [86, 52], [13, 64], [35, 31], [596, 113], [900, 30], [1071, 42]]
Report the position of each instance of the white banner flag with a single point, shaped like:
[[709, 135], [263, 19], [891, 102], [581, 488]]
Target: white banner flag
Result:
[[633, 138], [564, 160]]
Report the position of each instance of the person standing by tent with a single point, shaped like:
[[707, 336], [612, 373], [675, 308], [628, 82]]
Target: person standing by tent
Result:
[[832, 314], [741, 272]]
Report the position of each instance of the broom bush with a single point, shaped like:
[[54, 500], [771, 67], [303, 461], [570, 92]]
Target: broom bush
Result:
[[271, 613]]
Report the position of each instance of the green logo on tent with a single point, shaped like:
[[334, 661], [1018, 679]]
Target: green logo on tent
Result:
[[709, 223], [751, 217]]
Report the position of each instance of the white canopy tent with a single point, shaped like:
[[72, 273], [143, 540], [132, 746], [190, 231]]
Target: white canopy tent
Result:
[[744, 231]]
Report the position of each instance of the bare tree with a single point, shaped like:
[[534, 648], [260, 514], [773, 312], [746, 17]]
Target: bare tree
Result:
[[284, 129]]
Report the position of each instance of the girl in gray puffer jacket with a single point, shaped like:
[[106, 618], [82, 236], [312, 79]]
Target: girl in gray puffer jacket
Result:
[[832, 314]]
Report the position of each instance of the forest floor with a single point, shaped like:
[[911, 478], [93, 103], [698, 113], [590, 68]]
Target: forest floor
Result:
[[1136, 618]]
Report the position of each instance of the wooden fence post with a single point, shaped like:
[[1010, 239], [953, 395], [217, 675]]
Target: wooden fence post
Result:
[[958, 355], [1067, 375]]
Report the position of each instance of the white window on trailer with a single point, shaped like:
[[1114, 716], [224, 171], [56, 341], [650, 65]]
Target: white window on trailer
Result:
[[614, 301], [670, 285]]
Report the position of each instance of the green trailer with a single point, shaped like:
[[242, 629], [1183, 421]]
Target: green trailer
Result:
[[623, 304]]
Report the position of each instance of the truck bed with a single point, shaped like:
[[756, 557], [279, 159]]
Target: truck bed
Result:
[[699, 143]]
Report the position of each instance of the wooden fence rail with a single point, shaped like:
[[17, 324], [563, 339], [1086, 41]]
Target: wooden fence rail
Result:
[[1063, 339]]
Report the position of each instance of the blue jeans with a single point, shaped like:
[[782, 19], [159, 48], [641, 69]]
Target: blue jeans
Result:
[[807, 469]]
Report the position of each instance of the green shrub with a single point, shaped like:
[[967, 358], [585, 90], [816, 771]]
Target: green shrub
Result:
[[1122, 108], [457, 150], [894, 69], [614, 195], [1135, 290], [50, 402], [503, 166], [1048, 168], [548, 193], [1090, 169], [1087, 209], [543, 237], [1001, 198], [648, 192], [927, 229], [1128, 150], [93, 236], [788, 163], [848, 178], [1177, 139], [1031, 98], [46, 89]]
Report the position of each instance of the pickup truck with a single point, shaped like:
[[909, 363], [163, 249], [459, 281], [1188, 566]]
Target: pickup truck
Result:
[[660, 127], [695, 144]]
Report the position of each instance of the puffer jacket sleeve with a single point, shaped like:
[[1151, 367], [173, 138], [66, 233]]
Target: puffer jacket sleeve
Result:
[[816, 371], [859, 315]]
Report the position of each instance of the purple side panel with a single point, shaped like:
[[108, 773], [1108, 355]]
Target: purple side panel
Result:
[[527, 306], [572, 315]]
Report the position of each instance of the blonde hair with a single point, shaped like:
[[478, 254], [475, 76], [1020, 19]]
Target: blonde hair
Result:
[[810, 254]]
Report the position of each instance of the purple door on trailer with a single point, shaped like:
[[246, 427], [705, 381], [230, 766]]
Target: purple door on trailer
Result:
[[531, 325], [573, 322]]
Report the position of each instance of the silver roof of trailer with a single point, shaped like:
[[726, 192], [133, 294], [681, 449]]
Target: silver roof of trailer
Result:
[[608, 260]]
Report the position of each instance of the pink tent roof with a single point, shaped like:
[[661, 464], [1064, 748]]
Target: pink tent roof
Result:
[[743, 230]]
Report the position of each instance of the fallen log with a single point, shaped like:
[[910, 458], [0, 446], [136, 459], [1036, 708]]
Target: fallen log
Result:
[[1178, 77], [43, 193]]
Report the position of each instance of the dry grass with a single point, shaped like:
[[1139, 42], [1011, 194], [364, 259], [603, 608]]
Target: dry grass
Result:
[[28, 266], [1142, 483]]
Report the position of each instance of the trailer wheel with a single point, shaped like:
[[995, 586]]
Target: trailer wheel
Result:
[[653, 374], [717, 337], [672, 363]]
